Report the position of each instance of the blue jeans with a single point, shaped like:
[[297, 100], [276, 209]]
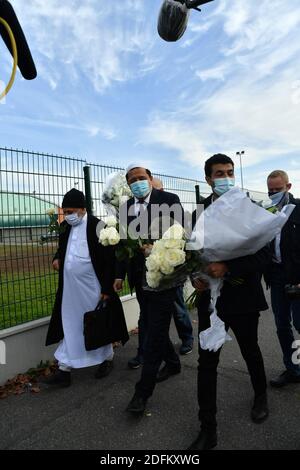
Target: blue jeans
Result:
[[182, 319], [286, 312]]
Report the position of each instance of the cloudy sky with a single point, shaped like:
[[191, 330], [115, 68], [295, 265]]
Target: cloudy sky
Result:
[[111, 91]]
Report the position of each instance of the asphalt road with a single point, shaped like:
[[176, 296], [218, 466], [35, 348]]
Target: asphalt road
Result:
[[90, 414]]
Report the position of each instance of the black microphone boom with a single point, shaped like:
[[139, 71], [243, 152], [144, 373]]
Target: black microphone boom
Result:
[[196, 3], [174, 16], [25, 60]]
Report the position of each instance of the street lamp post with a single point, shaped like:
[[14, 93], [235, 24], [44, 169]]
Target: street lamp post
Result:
[[241, 166]]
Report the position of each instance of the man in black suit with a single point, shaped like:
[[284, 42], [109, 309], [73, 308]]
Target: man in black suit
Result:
[[156, 308], [238, 306]]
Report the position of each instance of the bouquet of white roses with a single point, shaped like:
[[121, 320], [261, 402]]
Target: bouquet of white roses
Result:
[[109, 236], [115, 193], [169, 264]]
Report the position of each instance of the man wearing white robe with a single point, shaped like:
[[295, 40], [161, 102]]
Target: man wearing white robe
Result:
[[81, 294], [86, 270]]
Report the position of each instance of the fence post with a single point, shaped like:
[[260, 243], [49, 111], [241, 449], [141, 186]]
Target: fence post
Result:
[[198, 198], [88, 192]]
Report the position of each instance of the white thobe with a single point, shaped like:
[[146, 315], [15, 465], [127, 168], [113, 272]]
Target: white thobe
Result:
[[81, 293]]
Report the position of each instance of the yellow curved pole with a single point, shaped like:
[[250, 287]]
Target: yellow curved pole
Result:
[[15, 58]]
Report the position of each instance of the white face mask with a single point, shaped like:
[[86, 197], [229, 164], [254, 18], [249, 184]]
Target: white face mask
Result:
[[73, 219], [223, 185], [277, 198]]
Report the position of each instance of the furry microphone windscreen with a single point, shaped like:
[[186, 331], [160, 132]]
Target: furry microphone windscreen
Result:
[[172, 20]]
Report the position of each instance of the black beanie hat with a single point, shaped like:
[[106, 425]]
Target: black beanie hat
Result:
[[74, 198]]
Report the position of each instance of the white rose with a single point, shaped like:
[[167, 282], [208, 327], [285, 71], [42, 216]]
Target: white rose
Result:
[[153, 279], [158, 246], [111, 221], [50, 212], [127, 191], [123, 199], [104, 242], [113, 236], [114, 201], [175, 257], [166, 268], [158, 252], [175, 232], [174, 244], [103, 237], [153, 263]]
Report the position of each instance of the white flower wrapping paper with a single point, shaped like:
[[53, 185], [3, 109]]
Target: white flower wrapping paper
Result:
[[232, 227]]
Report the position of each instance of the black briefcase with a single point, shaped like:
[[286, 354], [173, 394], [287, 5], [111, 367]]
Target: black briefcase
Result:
[[104, 325], [292, 291]]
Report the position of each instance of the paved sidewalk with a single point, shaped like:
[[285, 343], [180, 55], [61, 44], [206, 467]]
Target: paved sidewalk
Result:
[[90, 414]]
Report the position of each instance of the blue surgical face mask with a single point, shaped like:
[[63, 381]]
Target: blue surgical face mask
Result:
[[140, 189], [73, 219], [222, 185], [276, 198]]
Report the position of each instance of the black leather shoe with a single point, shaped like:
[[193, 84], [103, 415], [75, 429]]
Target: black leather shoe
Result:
[[260, 410], [284, 379], [165, 373], [104, 369], [137, 405], [135, 363], [206, 440], [60, 379], [185, 349]]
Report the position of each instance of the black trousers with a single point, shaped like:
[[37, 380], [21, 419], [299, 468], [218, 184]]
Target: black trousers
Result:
[[158, 307], [245, 329], [143, 318]]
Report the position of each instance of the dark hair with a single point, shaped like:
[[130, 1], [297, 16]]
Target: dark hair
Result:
[[147, 171], [214, 160]]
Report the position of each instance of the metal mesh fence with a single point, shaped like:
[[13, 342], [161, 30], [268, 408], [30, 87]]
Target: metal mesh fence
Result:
[[30, 184]]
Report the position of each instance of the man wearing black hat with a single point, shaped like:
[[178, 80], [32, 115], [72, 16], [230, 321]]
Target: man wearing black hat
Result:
[[86, 274]]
